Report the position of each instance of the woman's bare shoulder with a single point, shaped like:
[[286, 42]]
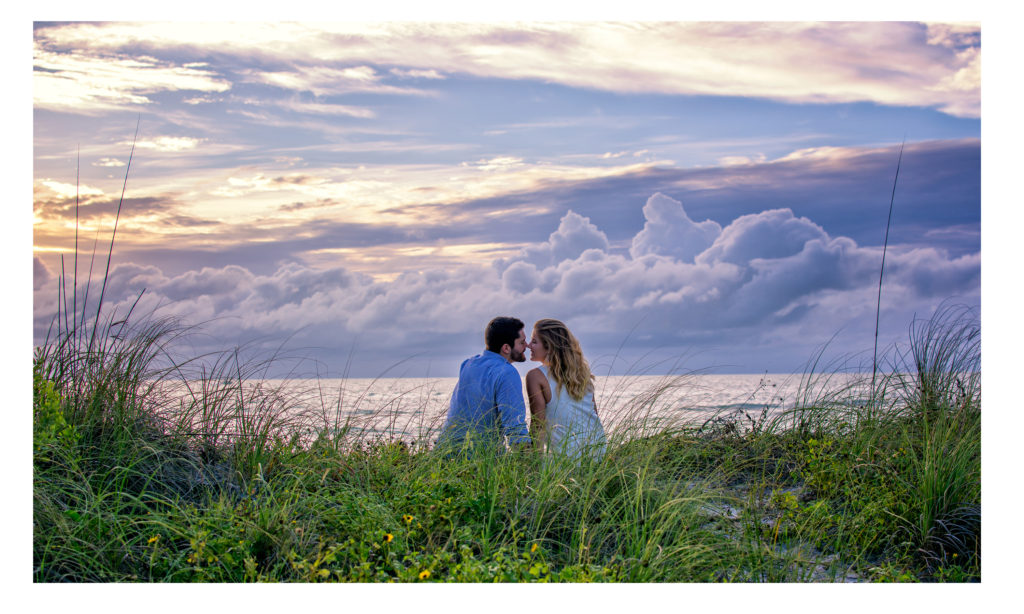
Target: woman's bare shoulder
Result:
[[535, 374]]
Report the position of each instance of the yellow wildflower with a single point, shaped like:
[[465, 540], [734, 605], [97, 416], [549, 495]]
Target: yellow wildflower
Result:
[[533, 548], [154, 539], [424, 574], [407, 518], [388, 537]]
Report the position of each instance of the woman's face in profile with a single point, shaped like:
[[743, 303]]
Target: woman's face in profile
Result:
[[537, 352]]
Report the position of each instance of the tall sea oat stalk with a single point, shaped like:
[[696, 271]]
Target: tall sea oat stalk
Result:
[[881, 271]]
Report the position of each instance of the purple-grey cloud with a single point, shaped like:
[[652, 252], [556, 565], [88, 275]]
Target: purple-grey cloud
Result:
[[844, 190], [761, 272], [41, 275], [770, 234]]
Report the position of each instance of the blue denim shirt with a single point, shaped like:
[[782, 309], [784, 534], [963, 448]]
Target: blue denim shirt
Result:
[[488, 399]]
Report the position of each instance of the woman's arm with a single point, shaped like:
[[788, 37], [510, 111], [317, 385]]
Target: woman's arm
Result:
[[536, 384]]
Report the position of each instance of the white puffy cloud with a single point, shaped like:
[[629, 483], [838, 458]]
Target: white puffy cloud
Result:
[[769, 234], [521, 277], [575, 235], [668, 231]]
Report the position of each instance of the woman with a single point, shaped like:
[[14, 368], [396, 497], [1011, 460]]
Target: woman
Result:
[[561, 393]]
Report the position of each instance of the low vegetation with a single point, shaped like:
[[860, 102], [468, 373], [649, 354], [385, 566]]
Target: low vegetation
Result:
[[153, 469]]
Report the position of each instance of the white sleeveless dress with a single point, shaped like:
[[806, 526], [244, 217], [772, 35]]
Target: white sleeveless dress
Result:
[[573, 426]]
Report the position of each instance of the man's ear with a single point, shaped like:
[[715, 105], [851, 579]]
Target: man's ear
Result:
[[506, 349]]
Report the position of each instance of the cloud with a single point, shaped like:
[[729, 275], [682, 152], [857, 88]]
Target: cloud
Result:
[[68, 190], [417, 74], [669, 232], [500, 163], [167, 143], [772, 234], [954, 35], [319, 108], [740, 160], [521, 277], [307, 215], [74, 82], [62, 208], [326, 81], [41, 275], [574, 236], [761, 275], [893, 63], [241, 186], [843, 190]]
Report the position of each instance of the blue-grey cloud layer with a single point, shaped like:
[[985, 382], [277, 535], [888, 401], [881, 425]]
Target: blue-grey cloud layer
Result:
[[763, 281]]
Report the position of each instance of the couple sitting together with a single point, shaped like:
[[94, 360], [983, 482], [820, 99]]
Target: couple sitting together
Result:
[[487, 404]]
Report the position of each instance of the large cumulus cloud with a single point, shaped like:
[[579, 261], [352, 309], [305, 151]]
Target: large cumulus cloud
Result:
[[668, 231], [769, 234], [575, 235], [764, 282]]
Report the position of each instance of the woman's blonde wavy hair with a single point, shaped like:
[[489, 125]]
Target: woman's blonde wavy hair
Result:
[[565, 359]]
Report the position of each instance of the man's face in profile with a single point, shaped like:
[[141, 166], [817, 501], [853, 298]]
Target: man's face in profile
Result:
[[518, 352]]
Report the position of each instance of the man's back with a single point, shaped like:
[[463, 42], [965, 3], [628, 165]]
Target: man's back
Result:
[[488, 401]]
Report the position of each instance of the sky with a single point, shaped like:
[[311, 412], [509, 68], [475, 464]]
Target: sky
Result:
[[709, 196], [685, 195]]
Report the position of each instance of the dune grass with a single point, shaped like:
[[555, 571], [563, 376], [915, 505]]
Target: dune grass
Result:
[[150, 465], [152, 468]]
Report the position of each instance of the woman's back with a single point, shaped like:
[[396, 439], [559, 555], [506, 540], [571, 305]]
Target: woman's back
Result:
[[573, 426]]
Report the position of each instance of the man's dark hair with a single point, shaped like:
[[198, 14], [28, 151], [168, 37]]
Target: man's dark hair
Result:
[[502, 330]]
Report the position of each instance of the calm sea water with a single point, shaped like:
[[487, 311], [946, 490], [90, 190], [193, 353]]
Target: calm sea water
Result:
[[414, 408]]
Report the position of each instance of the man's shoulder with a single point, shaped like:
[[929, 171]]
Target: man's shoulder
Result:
[[477, 367], [486, 357], [505, 371], [473, 361], [488, 364]]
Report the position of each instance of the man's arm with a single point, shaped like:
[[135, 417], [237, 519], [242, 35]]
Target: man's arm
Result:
[[511, 408]]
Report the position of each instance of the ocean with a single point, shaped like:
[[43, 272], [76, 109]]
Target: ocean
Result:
[[413, 409]]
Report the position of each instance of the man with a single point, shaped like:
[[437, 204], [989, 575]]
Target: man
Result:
[[487, 403]]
